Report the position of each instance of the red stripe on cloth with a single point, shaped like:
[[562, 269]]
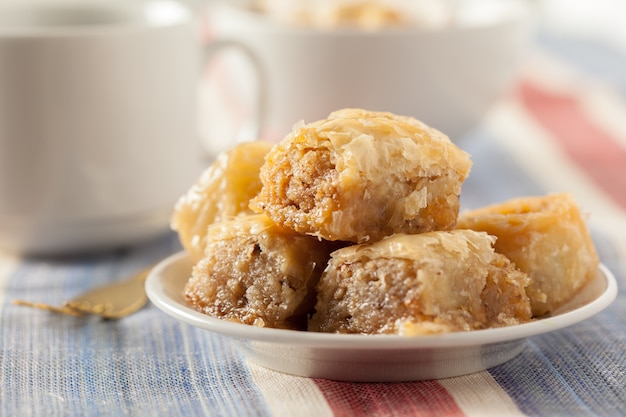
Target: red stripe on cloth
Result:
[[595, 151], [419, 399]]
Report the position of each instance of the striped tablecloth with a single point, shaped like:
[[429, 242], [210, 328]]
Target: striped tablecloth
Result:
[[562, 128]]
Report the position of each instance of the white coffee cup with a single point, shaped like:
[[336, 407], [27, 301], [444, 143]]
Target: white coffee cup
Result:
[[98, 129], [446, 76]]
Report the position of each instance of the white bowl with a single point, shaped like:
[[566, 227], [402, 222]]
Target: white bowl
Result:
[[447, 76], [373, 358]]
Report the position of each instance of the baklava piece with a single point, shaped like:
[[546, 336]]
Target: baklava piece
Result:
[[257, 273], [547, 238], [359, 176], [222, 192], [434, 282]]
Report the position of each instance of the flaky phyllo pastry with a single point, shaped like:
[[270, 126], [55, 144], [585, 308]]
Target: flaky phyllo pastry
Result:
[[547, 238], [256, 272], [351, 225], [221, 193], [359, 176], [418, 284]]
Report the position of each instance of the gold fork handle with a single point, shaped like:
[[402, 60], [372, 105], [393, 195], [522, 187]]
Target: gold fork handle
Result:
[[54, 309], [112, 301]]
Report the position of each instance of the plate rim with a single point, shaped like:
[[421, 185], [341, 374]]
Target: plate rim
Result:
[[157, 291]]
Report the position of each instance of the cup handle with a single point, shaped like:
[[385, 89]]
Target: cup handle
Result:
[[251, 129]]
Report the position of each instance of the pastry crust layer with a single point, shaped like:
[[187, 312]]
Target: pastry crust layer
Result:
[[547, 238], [433, 282], [257, 273], [222, 192], [359, 176]]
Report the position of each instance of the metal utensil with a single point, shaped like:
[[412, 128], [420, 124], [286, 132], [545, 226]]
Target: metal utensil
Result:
[[112, 301]]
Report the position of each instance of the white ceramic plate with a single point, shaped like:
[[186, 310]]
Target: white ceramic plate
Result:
[[372, 357]]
